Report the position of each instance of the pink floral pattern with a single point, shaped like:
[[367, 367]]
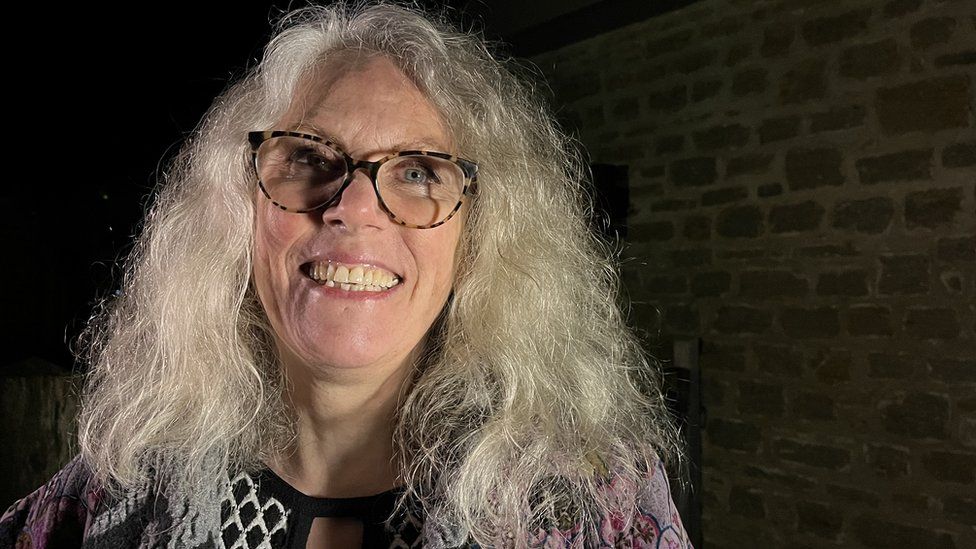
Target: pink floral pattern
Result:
[[656, 525]]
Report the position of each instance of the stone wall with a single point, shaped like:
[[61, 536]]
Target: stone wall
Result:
[[37, 427], [802, 178]]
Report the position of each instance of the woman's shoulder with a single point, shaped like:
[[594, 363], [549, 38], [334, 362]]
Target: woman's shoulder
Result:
[[654, 522], [60, 510]]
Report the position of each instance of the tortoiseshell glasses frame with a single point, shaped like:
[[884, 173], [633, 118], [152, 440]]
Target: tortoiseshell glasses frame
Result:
[[468, 168]]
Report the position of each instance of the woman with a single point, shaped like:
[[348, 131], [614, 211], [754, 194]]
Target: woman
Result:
[[366, 309]]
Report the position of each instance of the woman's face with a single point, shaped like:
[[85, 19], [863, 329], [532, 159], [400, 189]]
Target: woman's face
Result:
[[371, 111]]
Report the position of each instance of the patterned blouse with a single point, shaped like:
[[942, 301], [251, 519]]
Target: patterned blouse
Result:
[[261, 510]]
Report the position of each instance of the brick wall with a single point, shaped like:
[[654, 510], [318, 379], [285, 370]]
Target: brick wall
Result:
[[802, 178]]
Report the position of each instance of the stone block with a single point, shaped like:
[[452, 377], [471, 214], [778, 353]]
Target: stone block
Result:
[[888, 462], [666, 285], [932, 323], [746, 502], [748, 164], [820, 519], [839, 118], [876, 533], [693, 172], [778, 129], [851, 283], [955, 59], [654, 230], [827, 30], [868, 320], [929, 105], [711, 283], [779, 360], [869, 60], [812, 454], [749, 81], [693, 61], [812, 406], [932, 208], [771, 284], [724, 196], [625, 109], [777, 40], [575, 86], [716, 356], [806, 323], [833, 368], [721, 137], [695, 257], [898, 8], [733, 434], [894, 366], [871, 215], [812, 168], [737, 53], [768, 190], [669, 100], [737, 319], [899, 166], [806, 81], [954, 467], [705, 89], [904, 274], [917, 415], [792, 218], [697, 227], [929, 32], [953, 371], [959, 155], [765, 399], [960, 508], [669, 43], [740, 222], [669, 144], [673, 205], [682, 319]]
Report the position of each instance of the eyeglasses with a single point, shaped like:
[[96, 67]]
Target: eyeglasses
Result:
[[301, 173]]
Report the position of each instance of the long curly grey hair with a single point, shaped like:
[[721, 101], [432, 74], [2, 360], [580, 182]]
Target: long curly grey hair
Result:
[[531, 380]]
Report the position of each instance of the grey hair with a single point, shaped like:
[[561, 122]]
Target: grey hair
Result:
[[531, 375]]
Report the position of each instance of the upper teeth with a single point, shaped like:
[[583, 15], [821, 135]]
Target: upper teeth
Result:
[[352, 277]]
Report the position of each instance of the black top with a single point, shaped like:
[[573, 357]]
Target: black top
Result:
[[268, 509]]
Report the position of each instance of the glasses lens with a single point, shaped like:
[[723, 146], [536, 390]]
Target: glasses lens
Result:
[[420, 189], [298, 173]]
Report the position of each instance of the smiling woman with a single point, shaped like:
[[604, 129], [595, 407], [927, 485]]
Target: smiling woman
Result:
[[366, 310]]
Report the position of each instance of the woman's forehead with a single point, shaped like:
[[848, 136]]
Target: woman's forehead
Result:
[[372, 98]]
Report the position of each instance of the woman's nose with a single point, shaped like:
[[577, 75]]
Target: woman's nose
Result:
[[357, 205]]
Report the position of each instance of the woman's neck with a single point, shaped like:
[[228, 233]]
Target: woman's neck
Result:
[[344, 446]]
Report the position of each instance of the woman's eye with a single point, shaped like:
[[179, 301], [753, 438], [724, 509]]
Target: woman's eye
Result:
[[418, 175], [415, 175], [315, 161]]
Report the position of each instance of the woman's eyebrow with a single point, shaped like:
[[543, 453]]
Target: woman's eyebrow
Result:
[[305, 126]]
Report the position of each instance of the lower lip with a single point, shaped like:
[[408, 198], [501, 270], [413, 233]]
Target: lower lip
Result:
[[364, 295]]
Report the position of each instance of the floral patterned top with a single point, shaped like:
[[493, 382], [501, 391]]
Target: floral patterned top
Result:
[[261, 510]]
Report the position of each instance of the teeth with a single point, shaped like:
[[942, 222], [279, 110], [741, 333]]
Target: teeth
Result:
[[356, 275], [356, 278]]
